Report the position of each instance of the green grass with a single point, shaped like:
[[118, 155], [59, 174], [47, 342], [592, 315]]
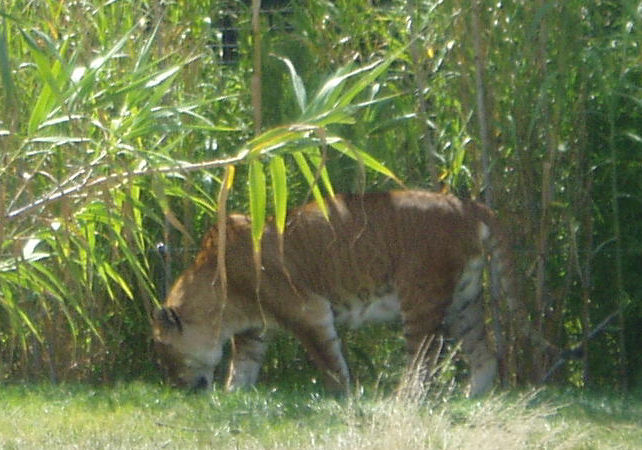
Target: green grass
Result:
[[139, 415]]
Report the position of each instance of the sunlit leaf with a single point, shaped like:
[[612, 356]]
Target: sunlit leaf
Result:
[[304, 167], [29, 252], [320, 165], [362, 157], [162, 77], [277, 138], [256, 181], [278, 175], [117, 278], [297, 84]]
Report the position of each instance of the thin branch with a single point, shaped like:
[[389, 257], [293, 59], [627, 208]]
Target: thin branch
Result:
[[577, 350], [182, 428], [121, 176]]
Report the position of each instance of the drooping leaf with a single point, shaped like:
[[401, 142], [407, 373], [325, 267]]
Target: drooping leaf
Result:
[[278, 175], [304, 167], [277, 138], [318, 160], [162, 77], [161, 197], [297, 83], [331, 96], [256, 181], [362, 157]]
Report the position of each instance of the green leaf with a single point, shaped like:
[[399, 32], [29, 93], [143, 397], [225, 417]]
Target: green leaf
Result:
[[256, 180], [16, 313], [330, 95], [162, 77], [51, 85], [319, 163], [278, 175], [304, 167], [87, 82], [277, 138], [117, 278], [362, 157], [146, 50], [372, 71], [297, 83], [5, 66]]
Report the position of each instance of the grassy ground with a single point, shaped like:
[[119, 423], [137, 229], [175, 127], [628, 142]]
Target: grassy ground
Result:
[[138, 415]]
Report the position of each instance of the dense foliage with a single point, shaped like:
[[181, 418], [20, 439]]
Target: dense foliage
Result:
[[119, 117]]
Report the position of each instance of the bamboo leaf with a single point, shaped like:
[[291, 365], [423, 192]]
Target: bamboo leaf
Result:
[[278, 175], [117, 278], [162, 77], [304, 167], [5, 66], [297, 83], [45, 100], [371, 73], [86, 78], [145, 51], [161, 197], [229, 177], [29, 252], [256, 180], [278, 138], [16, 313], [319, 163], [362, 157], [330, 95]]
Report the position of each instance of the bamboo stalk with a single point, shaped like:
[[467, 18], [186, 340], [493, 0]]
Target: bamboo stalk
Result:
[[2, 200], [221, 267], [482, 114], [257, 72], [546, 194], [586, 180], [619, 278], [432, 161], [487, 190]]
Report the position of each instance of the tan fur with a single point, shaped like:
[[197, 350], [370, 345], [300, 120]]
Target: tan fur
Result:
[[424, 249]]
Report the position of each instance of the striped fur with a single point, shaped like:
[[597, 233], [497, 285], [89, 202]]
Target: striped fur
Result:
[[412, 255]]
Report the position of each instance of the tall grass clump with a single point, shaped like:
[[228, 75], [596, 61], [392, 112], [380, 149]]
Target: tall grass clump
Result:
[[428, 412], [114, 140], [496, 422], [86, 108]]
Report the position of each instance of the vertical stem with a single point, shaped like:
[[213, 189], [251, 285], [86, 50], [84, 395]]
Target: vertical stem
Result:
[[8, 116], [167, 257], [420, 81], [619, 279], [487, 188], [3, 161], [586, 220], [482, 114], [188, 222], [221, 267], [257, 73], [546, 194], [586, 280]]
